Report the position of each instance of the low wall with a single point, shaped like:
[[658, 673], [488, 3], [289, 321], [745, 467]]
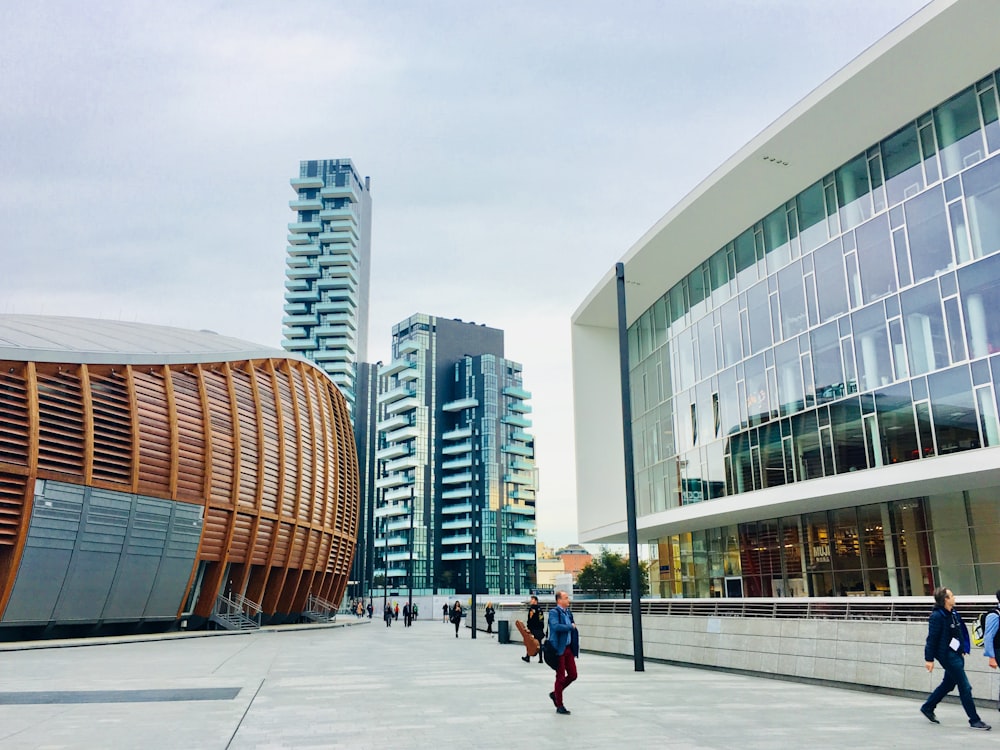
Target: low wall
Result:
[[887, 655]]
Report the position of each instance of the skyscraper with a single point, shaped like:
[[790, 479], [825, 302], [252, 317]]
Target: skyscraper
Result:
[[328, 269], [455, 507]]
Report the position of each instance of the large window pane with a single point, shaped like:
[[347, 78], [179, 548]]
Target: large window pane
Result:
[[746, 259], [929, 239], [831, 289], [848, 438], [871, 344], [758, 403], [853, 196], [811, 209], [776, 245], [828, 372], [961, 141], [926, 344], [805, 431], [901, 161], [791, 397], [878, 275], [793, 300], [954, 412], [982, 200], [896, 426], [759, 316]]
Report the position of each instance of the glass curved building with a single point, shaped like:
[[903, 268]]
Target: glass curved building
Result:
[[814, 343]]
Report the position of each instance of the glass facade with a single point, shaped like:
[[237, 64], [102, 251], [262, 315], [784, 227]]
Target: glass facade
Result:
[[847, 330]]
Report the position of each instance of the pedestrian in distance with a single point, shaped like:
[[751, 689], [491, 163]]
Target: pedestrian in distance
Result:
[[990, 637], [444, 612], [371, 610], [395, 611], [536, 626], [387, 615], [406, 615], [415, 612], [490, 615], [566, 641], [948, 642], [456, 616]]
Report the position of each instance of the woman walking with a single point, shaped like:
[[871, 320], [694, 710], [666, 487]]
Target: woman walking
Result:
[[490, 614], [456, 616]]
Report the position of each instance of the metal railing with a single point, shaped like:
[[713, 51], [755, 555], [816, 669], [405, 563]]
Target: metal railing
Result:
[[893, 609], [320, 610], [236, 613]]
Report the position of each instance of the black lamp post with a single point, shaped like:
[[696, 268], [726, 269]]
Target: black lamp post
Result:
[[633, 536]]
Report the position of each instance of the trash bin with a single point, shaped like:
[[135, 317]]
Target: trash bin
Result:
[[503, 631]]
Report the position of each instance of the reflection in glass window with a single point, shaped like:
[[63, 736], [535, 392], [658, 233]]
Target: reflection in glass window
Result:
[[929, 238], [828, 372], [926, 344], [746, 259], [848, 438], [959, 136], [732, 340], [831, 289], [776, 245], [793, 300], [759, 317], [758, 403], [791, 397], [982, 199], [878, 278], [805, 432], [871, 343], [901, 162], [811, 208], [853, 197], [955, 422]]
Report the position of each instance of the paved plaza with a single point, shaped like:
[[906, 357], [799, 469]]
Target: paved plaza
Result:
[[368, 686]]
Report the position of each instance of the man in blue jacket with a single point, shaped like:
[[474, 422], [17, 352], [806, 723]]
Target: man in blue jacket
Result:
[[566, 640], [948, 642], [989, 637]]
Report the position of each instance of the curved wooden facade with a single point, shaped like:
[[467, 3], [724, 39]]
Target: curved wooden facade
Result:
[[263, 446]]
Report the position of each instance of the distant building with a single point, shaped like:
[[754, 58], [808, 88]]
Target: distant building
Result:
[[328, 269], [456, 473], [574, 558]]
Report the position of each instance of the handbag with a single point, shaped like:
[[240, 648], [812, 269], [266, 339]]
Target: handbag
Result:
[[549, 654]]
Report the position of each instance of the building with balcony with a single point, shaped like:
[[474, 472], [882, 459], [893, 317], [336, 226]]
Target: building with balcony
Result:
[[328, 269], [149, 473], [814, 345], [456, 480]]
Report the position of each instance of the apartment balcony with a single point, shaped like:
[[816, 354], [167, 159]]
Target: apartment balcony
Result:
[[398, 524], [463, 478], [461, 404], [335, 361], [402, 407], [398, 493], [341, 191], [521, 464], [341, 318], [306, 204], [398, 556], [295, 308], [522, 493], [518, 478], [302, 240], [520, 406], [305, 183], [396, 509], [407, 433], [518, 393], [307, 272], [299, 345], [521, 539], [297, 285], [458, 463], [454, 494], [410, 346], [463, 555], [340, 263], [457, 449], [393, 480], [515, 420], [308, 295], [400, 464], [521, 510], [343, 226], [392, 541], [458, 523], [528, 524], [338, 240], [454, 510], [301, 227], [336, 306], [397, 366], [457, 539], [526, 556], [458, 434], [337, 214], [392, 451], [394, 394], [334, 330], [517, 450], [521, 437], [392, 423], [396, 572], [411, 374]]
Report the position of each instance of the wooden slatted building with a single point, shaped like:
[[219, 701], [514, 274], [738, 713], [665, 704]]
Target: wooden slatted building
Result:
[[146, 470]]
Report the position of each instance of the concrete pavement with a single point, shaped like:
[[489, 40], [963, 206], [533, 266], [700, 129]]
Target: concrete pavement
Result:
[[368, 686]]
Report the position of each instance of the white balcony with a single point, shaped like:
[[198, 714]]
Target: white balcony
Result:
[[409, 347], [458, 434], [521, 437], [396, 509], [518, 393], [400, 391], [464, 555], [305, 183], [519, 450], [518, 478], [397, 556], [453, 510], [393, 423], [393, 451], [516, 420], [457, 539], [406, 462], [401, 523], [393, 480], [527, 556], [463, 478], [458, 523], [397, 366], [461, 404], [407, 433], [522, 510], [454, 494], [458, 463], [521, 539], [403, 406], [457, 449], [399, 493]]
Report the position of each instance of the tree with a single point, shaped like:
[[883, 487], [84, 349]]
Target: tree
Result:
[[609, 572]]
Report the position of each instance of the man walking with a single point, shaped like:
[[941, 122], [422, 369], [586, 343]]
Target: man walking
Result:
[[536, 626], [948, 641], [566, 641]]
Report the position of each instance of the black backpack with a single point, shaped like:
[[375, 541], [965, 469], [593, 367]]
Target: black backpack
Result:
[[979, 628]]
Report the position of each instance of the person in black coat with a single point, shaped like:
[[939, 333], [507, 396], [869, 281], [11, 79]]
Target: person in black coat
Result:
[[948, 642], [536, 626], [456, 616], [490, 614]]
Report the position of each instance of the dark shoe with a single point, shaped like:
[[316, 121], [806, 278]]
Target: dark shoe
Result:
[[552, 697], [930, 715], [525, 659], [564, 710], [980, 724]]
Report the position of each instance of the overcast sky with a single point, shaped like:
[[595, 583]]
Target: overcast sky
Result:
[[516, 151]]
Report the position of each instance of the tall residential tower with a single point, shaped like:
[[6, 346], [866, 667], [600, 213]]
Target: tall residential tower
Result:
[[327, 278], [456, 471]]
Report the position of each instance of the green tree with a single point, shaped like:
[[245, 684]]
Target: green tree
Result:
[[609, 573]]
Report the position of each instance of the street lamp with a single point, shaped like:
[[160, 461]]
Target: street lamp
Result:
[[633, 536]]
